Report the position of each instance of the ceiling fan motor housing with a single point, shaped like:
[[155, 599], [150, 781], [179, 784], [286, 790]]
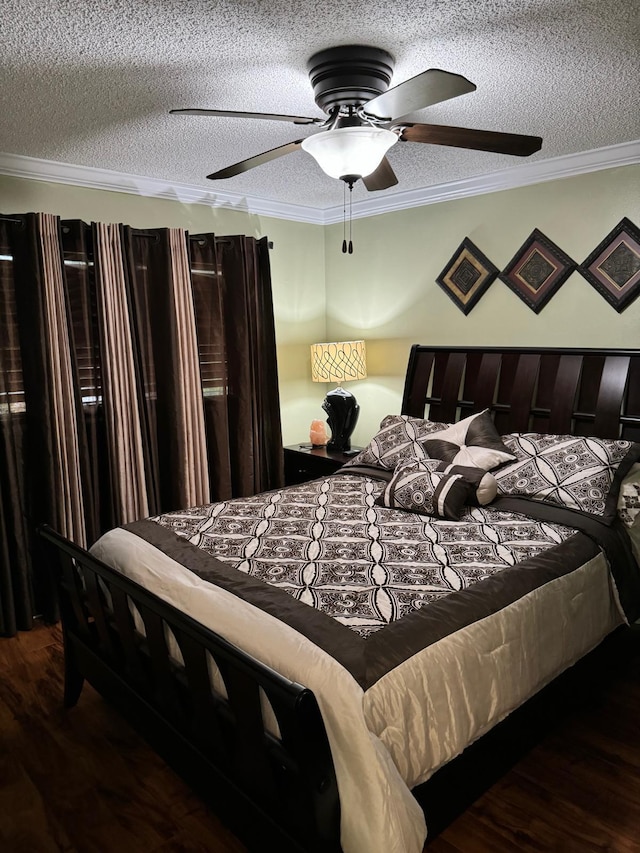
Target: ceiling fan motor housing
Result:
[[349, 75]]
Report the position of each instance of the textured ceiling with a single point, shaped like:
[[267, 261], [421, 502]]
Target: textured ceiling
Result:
[[91, 83]]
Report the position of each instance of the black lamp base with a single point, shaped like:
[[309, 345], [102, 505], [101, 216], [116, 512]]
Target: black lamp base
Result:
[[342, 409]]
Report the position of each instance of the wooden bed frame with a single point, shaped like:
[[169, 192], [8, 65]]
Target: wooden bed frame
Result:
[[283, 790], [564, 391]]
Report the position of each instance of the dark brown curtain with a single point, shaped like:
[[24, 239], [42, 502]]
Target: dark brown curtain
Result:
[[137, 375], [170, 383], [236, 339], [16, 574], [77, 248], [39, 406]]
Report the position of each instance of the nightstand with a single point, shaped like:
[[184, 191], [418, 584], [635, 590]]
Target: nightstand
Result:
[[303, 462]]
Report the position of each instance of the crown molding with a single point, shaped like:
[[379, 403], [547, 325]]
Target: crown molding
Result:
[[624, 154], [19, 166], [612, 156]]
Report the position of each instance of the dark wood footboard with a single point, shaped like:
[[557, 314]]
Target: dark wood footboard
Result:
[[273, 783]]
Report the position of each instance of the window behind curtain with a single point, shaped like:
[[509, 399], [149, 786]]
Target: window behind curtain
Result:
[[82, 308], [207, 278], [79, 273], [11, 382]]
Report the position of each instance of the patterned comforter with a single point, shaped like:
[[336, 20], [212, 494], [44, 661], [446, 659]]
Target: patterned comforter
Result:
[[329, 545]]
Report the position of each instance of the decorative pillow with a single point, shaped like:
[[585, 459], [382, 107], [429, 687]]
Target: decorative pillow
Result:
[[485, 485], [629, 500], [582, 473], [473, 442], [417, 487], [398, 439]]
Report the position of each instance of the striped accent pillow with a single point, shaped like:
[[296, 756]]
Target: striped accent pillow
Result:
[[417, 487], [485, 485]]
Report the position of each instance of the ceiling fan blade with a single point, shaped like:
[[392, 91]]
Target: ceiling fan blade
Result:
[[383, 177], [258, 160], [481, 140], [234, 114], [417, 92]]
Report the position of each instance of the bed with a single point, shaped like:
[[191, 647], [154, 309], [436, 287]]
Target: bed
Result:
[[310, 655]]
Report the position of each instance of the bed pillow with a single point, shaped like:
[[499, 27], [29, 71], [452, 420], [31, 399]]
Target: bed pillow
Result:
[[629, 499], [581, 473], [485, 485], [473, 442], [397, 439], [417, 487]]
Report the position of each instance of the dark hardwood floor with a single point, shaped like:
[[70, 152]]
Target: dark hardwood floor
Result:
[[83, 780]]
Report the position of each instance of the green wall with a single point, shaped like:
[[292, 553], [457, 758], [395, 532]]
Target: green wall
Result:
[[386, 292]]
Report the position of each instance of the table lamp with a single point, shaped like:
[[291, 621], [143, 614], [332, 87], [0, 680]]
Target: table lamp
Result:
[[339, 362]]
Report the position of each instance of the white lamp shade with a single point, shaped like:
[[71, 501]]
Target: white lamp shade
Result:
[[349, 150], [339, 362]]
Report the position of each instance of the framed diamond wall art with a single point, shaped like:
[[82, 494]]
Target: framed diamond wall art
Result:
[[537, 270], [613, 267], [467, 275]]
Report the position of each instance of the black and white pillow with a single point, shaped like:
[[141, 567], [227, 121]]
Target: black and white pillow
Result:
[[629, 497], [485, 485], [629, 504], [417, 487], [397, 439], [581, 473], [472, 442]]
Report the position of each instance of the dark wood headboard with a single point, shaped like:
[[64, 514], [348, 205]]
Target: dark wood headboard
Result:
[[578, 391]]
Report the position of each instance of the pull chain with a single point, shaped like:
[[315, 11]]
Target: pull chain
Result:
[[350, 218], [344, 218], [347, 179]]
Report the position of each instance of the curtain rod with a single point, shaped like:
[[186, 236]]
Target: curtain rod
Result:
[[139, 232], [201, 239]]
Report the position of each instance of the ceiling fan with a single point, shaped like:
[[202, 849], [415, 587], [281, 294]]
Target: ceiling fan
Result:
[[365, 118]]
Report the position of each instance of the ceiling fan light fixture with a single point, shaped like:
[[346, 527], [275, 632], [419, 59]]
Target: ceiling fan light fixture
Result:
[[349, 151]]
